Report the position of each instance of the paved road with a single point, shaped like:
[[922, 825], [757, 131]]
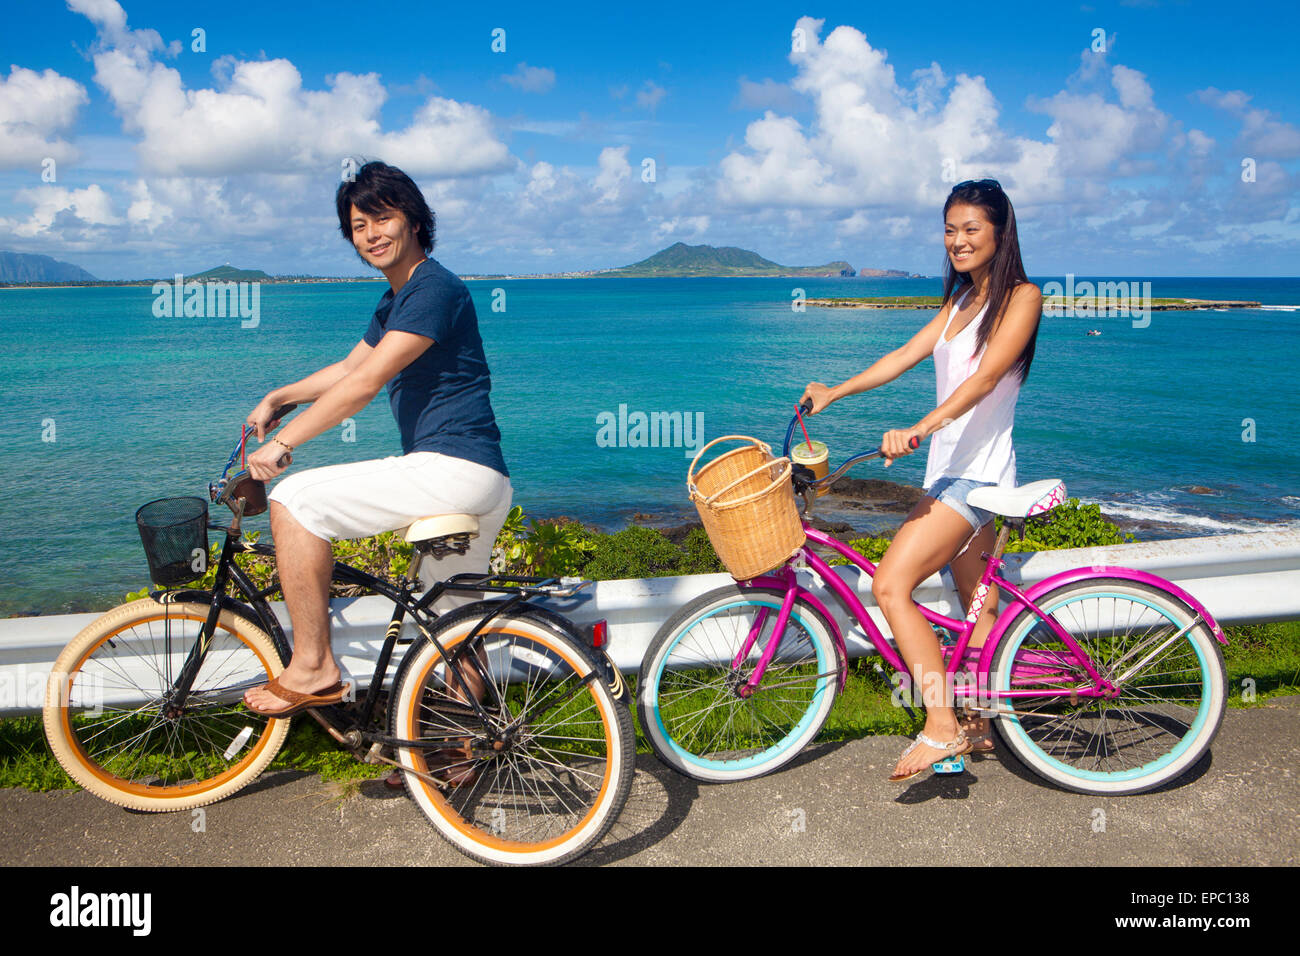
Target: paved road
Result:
[[1240, 806]]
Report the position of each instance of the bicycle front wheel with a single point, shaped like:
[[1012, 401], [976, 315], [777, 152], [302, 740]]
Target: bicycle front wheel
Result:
[[110, 718], [545, 775], [689, 695], [1169, 687]]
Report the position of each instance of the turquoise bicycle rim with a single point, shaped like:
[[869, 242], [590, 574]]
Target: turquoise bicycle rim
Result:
[[764, 756], [1013, 723]]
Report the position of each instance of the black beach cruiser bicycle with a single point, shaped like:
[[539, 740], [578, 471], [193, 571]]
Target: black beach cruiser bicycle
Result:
[[510, 727]]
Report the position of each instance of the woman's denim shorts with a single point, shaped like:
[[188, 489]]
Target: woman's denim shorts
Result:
[[952, 492]]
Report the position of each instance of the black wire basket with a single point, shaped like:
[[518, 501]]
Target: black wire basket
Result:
[[174, 532]]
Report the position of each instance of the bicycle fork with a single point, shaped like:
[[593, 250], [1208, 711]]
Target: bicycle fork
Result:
[[745, 689]]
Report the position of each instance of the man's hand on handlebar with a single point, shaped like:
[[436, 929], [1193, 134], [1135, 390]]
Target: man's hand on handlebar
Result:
[[269, 461], [266, 417]]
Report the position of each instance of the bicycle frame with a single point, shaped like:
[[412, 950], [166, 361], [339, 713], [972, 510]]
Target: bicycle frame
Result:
[[957, 657], [353, 732]]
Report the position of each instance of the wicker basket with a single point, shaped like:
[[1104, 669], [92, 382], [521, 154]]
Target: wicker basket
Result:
[[746, 503]]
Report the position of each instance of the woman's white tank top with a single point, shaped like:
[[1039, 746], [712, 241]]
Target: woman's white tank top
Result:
[[978, 444]]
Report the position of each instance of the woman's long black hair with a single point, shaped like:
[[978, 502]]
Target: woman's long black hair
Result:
[[1006, 271]]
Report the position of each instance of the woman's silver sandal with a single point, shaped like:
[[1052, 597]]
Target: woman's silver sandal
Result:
[[957, 747]]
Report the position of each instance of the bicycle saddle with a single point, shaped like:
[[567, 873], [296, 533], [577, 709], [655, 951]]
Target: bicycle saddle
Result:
[[1026, 501], [441, 526]]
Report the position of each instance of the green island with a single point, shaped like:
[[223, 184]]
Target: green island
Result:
[[681, 260], [20, 270], [1050, 303], [1268, 655]]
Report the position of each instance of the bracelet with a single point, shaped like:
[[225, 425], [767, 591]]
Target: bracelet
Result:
[[287, 447]]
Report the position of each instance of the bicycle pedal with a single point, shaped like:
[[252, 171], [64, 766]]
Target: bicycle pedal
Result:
[[950, 765]]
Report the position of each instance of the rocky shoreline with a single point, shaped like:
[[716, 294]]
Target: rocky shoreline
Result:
[[1050, 302], [870, 507]]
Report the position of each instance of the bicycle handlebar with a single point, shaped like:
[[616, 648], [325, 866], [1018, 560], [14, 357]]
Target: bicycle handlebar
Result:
[[225, 489], [818, 483]]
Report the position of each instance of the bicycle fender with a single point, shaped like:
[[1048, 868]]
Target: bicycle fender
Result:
[[802, 593], [195, 596], [604, 663]]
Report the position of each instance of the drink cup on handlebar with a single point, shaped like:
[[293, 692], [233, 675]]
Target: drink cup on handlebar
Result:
[[814, 455], [244, 485]]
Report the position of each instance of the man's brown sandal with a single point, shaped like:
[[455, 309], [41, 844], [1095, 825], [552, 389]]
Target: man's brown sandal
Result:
[[298, 702]]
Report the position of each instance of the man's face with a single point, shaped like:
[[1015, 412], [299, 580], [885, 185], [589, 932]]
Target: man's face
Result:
[[383, 238]]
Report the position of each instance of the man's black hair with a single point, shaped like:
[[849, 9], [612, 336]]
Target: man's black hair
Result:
[[377, 187]]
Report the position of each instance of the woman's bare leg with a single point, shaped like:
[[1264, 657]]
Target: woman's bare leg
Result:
[[926, 542], [967, 569]]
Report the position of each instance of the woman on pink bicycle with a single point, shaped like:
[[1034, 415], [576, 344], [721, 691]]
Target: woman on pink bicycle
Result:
[[982, 341]]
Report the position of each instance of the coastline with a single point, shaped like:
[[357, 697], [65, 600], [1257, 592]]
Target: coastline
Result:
[[855, 508], [1049, 303]]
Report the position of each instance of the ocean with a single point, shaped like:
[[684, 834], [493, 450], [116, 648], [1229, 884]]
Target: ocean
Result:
[[109, 404]]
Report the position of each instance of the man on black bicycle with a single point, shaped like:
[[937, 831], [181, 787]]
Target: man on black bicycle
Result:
[[423, 342]]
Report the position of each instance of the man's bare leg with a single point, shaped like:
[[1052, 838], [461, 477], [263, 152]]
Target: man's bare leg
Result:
[[304, 562]]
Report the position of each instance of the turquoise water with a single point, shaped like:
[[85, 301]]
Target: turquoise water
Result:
[[139, 407]]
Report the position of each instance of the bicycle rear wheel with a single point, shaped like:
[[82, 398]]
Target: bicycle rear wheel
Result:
[[547, 774], [1167, 669], [110, 722], [688, 693]]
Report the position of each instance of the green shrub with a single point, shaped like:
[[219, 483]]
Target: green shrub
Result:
[[634, 552], [700, 556], [549, 549], [1070, 525]]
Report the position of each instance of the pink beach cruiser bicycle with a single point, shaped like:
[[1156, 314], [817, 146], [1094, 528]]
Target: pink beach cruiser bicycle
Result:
[[1102, 680]]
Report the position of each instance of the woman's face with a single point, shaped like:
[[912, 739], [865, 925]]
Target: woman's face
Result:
[[969, 238]]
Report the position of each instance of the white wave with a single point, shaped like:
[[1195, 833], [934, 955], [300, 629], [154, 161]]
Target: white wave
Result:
[[1140, 512], [1280, 308]]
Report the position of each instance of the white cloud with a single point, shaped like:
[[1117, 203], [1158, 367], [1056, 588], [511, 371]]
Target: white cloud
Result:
[[77, 208], [874, 142], [1095, 136], [615, 173], [683, 227], [34, 109], [264, 120], [531, 79], [1262, 135], [650, 95]]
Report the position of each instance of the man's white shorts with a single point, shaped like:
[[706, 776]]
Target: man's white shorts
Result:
[[366, 497]]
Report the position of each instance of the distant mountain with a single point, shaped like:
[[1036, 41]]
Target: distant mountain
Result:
[[229, 273], [680, 259], [24, 267]]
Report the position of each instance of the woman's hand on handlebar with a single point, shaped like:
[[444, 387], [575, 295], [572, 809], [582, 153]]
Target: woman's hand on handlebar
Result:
[[899, 442], [817, 395]]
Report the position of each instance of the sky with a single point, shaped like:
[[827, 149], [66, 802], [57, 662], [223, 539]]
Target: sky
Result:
[[1140, 138]]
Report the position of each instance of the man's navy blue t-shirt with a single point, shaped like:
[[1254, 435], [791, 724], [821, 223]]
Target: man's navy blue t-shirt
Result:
[[440, 400]]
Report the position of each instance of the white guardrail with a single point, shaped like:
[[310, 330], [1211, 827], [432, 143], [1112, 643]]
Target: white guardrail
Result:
[[1240, 578]]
